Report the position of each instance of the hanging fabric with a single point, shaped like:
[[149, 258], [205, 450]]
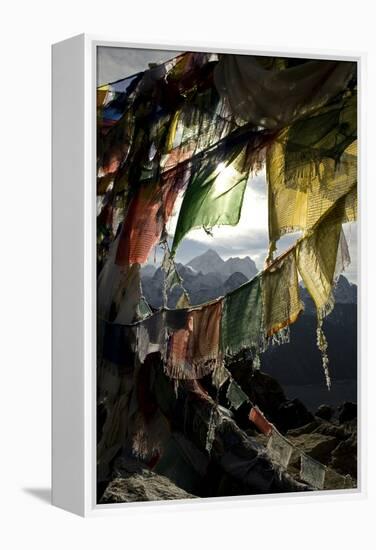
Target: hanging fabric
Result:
[[214, 196], [279, 448], [281, 296], [220, 375], [193, 351], [128, 296], [151, 336], [271, 94], [235, 395], [312, 472], [317, 263], [142, 226], [241, 318], [259, 420], [299, 201]]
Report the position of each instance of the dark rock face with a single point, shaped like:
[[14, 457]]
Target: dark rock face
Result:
[[325, 412], [299, 362], [347, 411], [345, 292], [293, 414], [344, 457], [327, 428], [234, 281], [263, 390]]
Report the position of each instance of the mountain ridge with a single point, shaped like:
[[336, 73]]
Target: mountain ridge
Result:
[[297, 363], [208, 276]]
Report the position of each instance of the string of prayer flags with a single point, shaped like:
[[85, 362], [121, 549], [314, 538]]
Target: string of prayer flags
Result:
[[259, 420]]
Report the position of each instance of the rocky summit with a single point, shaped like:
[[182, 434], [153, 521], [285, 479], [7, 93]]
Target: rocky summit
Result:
[[205, 277], [210, 261]]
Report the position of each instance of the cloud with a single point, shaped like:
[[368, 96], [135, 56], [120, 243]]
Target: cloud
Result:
[[116, 63]]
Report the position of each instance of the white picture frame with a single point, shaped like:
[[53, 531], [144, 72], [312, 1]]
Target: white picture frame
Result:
[[74, 277]]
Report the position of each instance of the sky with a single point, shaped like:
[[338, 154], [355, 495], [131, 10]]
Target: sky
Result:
[[250, 236]]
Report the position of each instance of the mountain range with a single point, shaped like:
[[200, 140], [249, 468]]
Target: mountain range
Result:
[[205, 277], [299, 363], [208, 276]]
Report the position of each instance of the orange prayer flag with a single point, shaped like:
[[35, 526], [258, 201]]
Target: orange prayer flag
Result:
[[260, 421]]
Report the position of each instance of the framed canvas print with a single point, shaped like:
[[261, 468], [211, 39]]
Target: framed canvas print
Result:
[[205, 275]]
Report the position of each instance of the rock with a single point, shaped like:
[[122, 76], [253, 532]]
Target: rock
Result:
[[293, 414], [142, 488], [306, 429], [317, 446], [334, 480], [325, 412], [345, 292], [234, 281], [148, 270], [207, 262], [347, 411], [326, 428], [246, 266], [344, 457], [135, 482], [263, 390]]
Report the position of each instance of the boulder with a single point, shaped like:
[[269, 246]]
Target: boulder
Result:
[[344, 457], [347, 411], [142, 488], [317, 446], [327, 428], [325, 412], [306, 429], [292, 414], [135, 482]]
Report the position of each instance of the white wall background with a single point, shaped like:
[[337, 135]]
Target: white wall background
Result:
[[27, 30]]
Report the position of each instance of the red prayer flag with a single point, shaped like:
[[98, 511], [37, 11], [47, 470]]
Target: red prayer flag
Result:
[[260, 421]]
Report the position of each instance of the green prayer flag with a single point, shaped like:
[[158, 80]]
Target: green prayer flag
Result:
[[241, 318], [213, 197]]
